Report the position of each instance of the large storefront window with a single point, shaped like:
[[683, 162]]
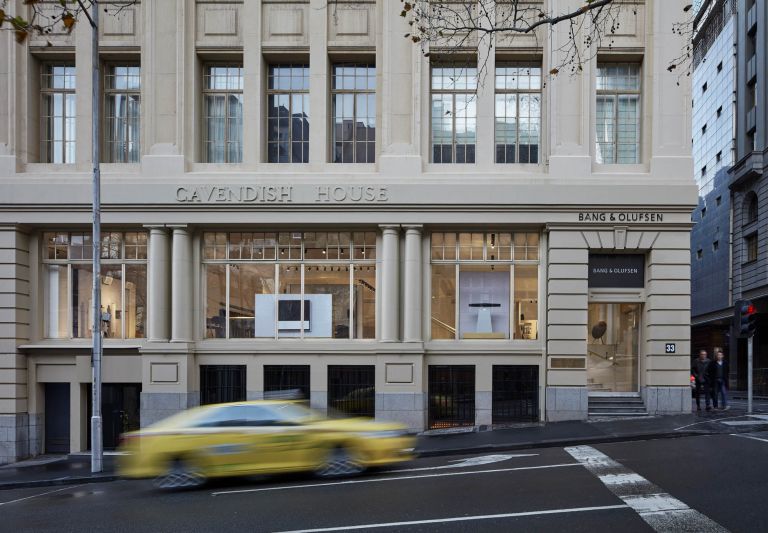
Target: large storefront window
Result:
[[69, 278], [290, 285], [485, 285], [613, 339]]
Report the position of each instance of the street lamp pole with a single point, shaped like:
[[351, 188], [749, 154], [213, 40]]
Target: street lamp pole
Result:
[[96, 426]]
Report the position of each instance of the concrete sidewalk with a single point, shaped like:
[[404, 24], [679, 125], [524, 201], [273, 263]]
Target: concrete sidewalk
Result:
[[75, 469]]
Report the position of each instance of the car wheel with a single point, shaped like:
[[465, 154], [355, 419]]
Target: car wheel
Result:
[[180, 475], [339, 463]]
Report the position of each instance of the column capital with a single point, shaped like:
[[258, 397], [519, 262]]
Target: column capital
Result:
[[413, 228], [389, 228]]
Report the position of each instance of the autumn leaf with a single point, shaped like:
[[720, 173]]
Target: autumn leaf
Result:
[[2, 17], [21, 36], [69, 21], [554, 71]]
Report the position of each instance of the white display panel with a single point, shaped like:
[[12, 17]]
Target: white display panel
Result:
[[320, 322]]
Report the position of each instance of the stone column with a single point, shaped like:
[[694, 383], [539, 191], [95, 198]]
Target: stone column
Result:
[[318, 81], [158, 278], [181, 285], [390, 290], [412, 285]]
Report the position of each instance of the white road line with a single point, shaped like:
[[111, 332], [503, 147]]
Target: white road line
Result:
[[748, 437], [745, 423], [41, 494], [397, 478], [460, 519], [660, 510], [464, 463]]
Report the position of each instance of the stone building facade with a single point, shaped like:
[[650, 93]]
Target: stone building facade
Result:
[[297, 201]]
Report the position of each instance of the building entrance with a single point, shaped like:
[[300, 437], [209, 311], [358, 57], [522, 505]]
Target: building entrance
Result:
[[613, 337], [57, 418]]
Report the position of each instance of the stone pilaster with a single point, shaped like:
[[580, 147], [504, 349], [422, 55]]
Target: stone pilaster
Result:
[[390, 280], [158, 278], [412, 330], [182, 286]]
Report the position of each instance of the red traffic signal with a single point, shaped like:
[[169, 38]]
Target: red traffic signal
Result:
[[746, 318]]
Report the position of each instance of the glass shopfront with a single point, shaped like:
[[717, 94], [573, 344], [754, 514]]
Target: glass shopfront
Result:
[[485, 285], [290, 285], [613, 338], [68, 282]]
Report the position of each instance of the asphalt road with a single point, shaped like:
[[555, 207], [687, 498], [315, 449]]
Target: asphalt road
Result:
[[707, 483]]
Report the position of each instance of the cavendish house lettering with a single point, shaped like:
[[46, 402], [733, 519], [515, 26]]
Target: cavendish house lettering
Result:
[[593, 216], [276, 194], [246, 194]]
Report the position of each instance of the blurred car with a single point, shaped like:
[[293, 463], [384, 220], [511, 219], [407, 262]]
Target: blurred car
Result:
[[258, 437]]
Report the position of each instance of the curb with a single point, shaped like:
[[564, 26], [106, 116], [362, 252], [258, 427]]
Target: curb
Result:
[[56, 482], [607, 439]]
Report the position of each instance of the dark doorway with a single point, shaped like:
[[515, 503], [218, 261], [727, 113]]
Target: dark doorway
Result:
[[222, 384], [119, 411], [515, 394], [352, 389], [451, 396], [57, 418], [286, 381]]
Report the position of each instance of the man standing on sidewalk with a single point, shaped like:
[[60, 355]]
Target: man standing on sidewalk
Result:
[[701, 371], [719, 380]]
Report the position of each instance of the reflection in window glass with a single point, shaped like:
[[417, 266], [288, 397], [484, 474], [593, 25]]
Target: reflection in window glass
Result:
[[518, 113], [354, 113], [453, 114], [246, 283], [617, 114], [122, 112], [443, 301], [613, 336], [326, 288], [216, 301], [364, 303], [58, 112], [135, 301], [526, 317], [288, 114]]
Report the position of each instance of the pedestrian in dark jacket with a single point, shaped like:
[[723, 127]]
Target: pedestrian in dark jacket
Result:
[[718, 376], [702, 372]]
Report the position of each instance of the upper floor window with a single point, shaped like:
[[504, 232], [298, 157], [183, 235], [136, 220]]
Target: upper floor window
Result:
[[485, 285], [750, 248], [223, 114], [68, 282], [617, 115], [750, 210], [57, 128], [454, 112], [288, 114], [122, 112], [354, 113], [518, 113], [290, 284]]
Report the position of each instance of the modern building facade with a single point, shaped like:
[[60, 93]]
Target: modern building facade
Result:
[[713, 133], [749, 186], [297, 200]]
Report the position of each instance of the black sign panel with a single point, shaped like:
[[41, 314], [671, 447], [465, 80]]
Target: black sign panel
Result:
[[617, 271]]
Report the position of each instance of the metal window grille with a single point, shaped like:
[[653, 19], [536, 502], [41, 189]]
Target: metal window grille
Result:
[[451, 396], [515, 395], [352, 389], [57, 128], [617, 115], [518, 113], [288, 114], [222, 384], [122, 112], [286, 381], [223, 114], [454, 113], [354, 113]]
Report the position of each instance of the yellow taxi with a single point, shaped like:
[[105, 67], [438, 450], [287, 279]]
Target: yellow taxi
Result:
[[258, 437]]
